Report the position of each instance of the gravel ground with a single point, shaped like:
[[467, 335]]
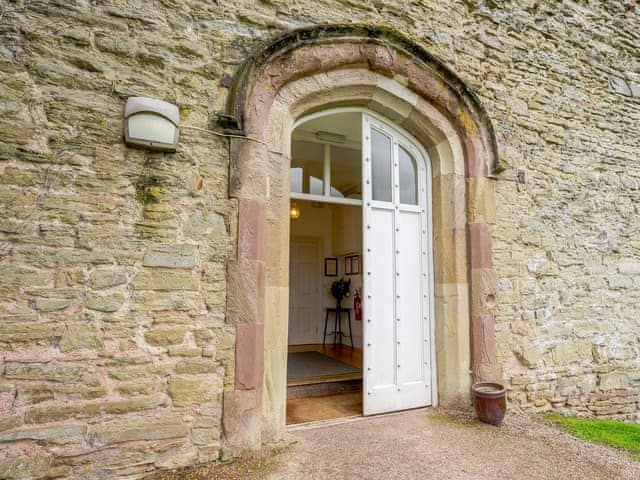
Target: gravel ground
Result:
[[255, 467], [427, 444]]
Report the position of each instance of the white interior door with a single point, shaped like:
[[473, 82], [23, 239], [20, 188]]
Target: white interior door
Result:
[[305, 317], [398, 355]]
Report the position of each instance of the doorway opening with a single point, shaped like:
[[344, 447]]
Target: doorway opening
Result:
[[361, 319], [324, 362]]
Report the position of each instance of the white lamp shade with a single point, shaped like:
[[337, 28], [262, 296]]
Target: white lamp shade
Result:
[[151, 123], [151, 127]]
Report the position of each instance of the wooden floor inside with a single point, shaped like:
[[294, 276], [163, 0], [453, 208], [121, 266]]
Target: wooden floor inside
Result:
[[324, 407], [313, 409], [344, 353]]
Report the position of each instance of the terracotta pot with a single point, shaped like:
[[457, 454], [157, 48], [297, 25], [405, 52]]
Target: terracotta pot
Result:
[[490, 401]]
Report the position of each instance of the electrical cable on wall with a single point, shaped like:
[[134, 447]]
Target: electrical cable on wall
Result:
[[228, 135]]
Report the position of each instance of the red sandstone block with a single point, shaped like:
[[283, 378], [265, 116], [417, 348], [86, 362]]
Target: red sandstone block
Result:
[[249, 356], [483, 338], [476, 166], [480, 243], [252, 225]]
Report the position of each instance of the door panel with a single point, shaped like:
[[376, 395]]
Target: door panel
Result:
[[408, 284], [304, 301], [397, 266], [380, 286]]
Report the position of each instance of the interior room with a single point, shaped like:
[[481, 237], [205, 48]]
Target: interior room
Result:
[[324, 365]]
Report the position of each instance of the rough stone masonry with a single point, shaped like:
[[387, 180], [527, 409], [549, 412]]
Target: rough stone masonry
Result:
[[114, 346]]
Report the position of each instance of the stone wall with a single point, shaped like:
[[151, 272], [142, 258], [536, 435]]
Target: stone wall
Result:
[[114, 349], [566, 245]]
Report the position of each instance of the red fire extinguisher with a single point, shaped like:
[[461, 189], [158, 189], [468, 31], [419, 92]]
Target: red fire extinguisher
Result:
[[357, 305]]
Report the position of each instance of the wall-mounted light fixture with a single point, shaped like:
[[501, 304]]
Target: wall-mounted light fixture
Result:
[[151, 123], [294, 211]]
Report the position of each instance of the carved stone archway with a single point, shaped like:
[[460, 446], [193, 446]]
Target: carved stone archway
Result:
[[322, 67]]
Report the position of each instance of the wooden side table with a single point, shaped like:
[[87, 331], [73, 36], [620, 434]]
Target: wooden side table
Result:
[[337, 326]]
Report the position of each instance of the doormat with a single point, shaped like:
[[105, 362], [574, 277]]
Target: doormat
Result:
[[314, 364]]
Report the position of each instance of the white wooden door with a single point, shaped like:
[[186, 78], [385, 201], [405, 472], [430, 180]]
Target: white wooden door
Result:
[[305, 317], [397, 259]]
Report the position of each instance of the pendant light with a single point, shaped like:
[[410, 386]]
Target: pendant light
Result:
[[294, 211]]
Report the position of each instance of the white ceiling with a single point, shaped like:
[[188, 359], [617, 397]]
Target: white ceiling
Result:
[[347, 124]]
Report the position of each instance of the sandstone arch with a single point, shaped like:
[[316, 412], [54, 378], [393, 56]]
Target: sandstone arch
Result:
[[322, 67]]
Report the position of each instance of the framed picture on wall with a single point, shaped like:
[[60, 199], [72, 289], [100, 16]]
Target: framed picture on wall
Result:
[[352, 265], [330, 267]]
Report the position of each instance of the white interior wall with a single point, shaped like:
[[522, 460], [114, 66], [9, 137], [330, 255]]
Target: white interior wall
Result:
[[347, 240], [317, 223], [340, 230]]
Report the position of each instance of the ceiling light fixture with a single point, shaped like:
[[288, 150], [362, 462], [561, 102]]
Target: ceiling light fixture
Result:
[[331, 137]]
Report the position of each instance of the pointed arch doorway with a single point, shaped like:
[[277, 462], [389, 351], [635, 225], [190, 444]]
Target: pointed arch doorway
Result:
[[395, 280], [316, 69]]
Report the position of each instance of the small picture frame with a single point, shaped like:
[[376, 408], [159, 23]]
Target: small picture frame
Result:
[[352, 265], [330, 267]]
